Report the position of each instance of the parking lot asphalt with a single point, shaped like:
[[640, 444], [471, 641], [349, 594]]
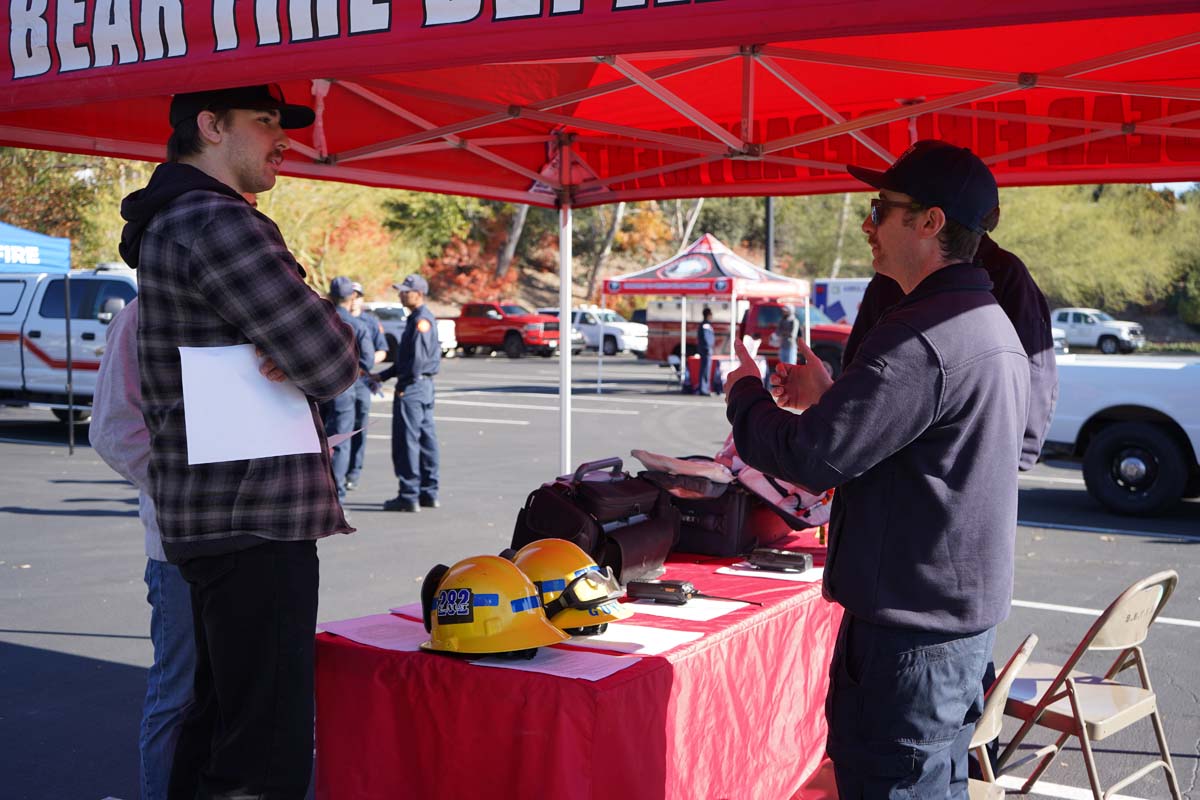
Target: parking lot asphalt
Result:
[[74, 623]]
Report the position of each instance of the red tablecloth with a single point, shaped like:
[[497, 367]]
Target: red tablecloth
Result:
[[735, 714]]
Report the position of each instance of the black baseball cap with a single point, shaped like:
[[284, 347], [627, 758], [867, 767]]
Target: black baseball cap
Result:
[[937, 173], [266, 96]]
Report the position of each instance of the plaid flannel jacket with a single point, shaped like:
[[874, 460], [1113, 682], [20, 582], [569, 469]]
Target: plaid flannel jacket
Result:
[[213, 271]]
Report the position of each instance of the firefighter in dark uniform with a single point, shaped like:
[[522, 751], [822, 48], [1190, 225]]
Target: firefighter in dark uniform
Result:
[[338, 413], [705, 341], [414, 441], [364, 388]]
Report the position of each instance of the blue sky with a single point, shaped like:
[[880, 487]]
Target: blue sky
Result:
[[1177, 188]]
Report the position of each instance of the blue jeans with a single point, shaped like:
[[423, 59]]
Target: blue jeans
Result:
[[787, 352], [338, 416], [902, 707], [169, 680], [362, 417]]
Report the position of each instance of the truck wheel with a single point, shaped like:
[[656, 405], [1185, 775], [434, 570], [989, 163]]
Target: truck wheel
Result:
[[1108, 344], [1134, 468], [610, 346], [468, 350], [513, 346], [81, 414], [831, 357]]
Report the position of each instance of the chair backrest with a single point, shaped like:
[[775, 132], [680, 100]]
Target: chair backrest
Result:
[[1126, 621], [988, 726]]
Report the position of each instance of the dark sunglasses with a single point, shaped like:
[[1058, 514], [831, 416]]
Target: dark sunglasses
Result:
[[878, 204]]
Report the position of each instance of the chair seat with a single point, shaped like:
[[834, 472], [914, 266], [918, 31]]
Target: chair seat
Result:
[[1105, 706], [978, 790]]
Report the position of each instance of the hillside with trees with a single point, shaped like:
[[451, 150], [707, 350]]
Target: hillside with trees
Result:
[[1126, 248]]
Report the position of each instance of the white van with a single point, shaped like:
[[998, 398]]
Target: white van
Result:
[[33, 332]]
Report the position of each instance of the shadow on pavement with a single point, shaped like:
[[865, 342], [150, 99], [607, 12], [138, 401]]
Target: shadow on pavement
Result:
[[68, 725]]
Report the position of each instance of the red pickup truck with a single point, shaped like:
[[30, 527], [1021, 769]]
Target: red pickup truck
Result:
[[758, 319], [484, 327]]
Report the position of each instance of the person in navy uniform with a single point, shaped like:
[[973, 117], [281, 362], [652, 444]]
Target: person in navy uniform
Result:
[[414, 440], [705, 340], [363, 388], [338, 413]]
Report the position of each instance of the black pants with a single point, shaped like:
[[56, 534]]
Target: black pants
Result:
[[249, 733]]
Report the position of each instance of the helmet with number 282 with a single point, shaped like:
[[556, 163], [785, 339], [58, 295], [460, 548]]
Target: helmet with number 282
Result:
[[484, 605], [578, 596]]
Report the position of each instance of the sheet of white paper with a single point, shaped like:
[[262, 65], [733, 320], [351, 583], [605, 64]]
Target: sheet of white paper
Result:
[[233, 412], [338, 438], [637, 639], [565, 663], [380, 630], [698, 609], [745, 569], [409, 610]]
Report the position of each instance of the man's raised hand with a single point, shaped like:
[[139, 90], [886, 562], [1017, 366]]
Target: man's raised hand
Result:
[[747, 368]]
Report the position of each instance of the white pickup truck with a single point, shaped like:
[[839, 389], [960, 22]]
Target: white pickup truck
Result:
[[33, 333], [1091, 327], [1134, 423]]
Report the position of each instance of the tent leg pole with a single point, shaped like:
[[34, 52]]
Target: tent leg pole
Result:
[[600, 349], [70, 369], [807, 322], [682, 339], [565, 283]]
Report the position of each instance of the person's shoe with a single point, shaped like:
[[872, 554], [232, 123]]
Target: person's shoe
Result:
[[350, 485], [430, 502], [400, 504]]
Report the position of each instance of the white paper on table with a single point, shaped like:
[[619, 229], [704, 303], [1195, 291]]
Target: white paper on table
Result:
[[233, 412], [746, 570], [380, 630], [409, 610], [565, 663], [637, 639], [697, 609]]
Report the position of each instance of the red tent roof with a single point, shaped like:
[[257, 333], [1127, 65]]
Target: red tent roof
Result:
[[707, 268], [648, 98]]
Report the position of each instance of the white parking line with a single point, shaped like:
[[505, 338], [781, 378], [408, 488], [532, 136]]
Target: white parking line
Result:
[[1095, 612], [1061, 526], [481, 420], [1051, 479], [1047, 789], [528, 407], [584, 395]]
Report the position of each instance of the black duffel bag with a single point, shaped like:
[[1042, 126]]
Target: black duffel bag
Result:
[[620, 521]]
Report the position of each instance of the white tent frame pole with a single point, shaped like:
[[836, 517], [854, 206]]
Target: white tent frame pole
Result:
[[733, 300], [807, 320], [600, 349], [1082, 124], [565, 282], [683, 321]]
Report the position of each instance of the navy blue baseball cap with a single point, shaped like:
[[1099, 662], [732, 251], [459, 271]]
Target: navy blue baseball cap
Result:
[[937, 173], [341, 287], [264, 97], [413, 283]]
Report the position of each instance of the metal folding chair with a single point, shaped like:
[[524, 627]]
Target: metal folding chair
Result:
[[992, 719], [1092, 707]]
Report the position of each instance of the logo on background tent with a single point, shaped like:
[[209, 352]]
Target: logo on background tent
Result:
[[685, 268], [614, 286], [835, 312], [720, 285]]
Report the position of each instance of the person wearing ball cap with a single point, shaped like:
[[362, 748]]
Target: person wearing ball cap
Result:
[[921, 434], [215, 272], [414, 439]]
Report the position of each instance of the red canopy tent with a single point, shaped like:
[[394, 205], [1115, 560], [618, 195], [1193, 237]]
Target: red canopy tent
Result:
[[708, 269], [572, 103]]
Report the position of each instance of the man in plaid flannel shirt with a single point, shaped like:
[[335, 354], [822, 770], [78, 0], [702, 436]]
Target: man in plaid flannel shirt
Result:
[[213, 271]]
